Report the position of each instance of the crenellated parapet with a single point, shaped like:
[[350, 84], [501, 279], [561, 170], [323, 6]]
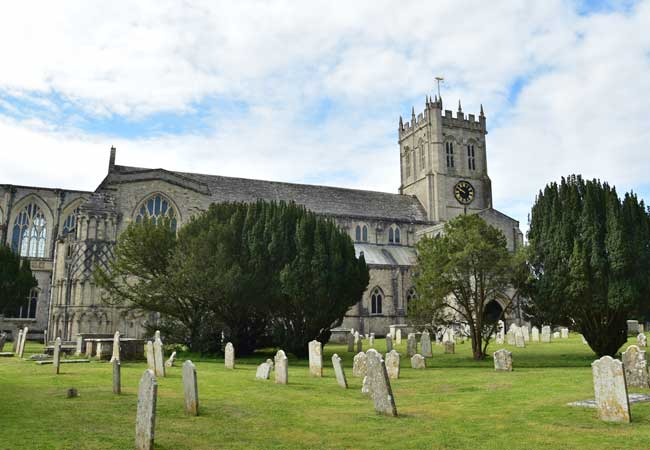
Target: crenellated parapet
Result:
[[433, 111]]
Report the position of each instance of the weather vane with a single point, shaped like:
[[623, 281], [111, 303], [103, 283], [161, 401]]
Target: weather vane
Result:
[[438, 80]]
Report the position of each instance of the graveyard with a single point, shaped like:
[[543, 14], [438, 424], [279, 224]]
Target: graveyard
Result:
[[452, 403]]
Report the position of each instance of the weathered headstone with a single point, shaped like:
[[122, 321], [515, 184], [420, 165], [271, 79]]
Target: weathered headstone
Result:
[[636, 367], [371, 340], [17, 338], [358, 341], [389, 343], [610, 390], [270, 362], [500, 332], [315, 359], [338, 371], [116, 347], [145, 421], [350, 342], [100, 348], [171, 360], [56, 357], [158, 356], [23, 340], [263, 371], [151, 360], [398, 336], [632, 327], [520, 342], [190, 389], [379, 385], [80, 342], [417, 362], [117, 377], [425, 345], [564, 333], [89, 349], [281, 368], [641, 328], [640, 340], [229, 358], [503, 360], [411, 345], [511, 336], [525, 332], [556, 335], [360, 365], [546, 334], [392, 364], [450, 347], [535, 334]]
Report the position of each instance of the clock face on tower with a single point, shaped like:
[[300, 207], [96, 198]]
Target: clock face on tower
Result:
[[464, 192]]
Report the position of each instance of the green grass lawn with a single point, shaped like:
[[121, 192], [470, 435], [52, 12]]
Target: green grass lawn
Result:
[[456, 403]]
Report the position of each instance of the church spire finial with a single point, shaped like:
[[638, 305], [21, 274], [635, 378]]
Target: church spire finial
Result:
[[111, 159], [460, 109], [482, 114]]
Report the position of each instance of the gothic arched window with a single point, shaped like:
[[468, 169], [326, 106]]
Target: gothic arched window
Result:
[[358, 233], [391, 237], [410, 295], [449, 147], [397, 235], [407, 160], [155, 208], [70, 224], [29, 234], [375, 301], [471, 159], [365, 233]]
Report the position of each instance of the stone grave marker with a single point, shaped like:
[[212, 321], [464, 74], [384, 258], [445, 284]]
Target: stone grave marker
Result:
[[358, 341], [3, 338], [610, 390], [411, 345], [145, 421], [315, 359], [360, 365], [641, 328], [450, 347], [80, 342], [171, 360], [23, 339], [151, 360], [525, 332], [389, 343], [417, 362], [632, 327], [229, 358], [500, 332], [117, 377], [520, 342], [56, 357], [17, 338], [350, 342], [116, 347], [371, 340], [263, 371], [511, 336], [158, 356], [398, 336], [640, 340], [392, 364], [190, 389], [379, 385], [636, 367], [546, 334], [425, 345], [338, 371], [556, 335], [503, 360], [535, 334], [564, 333], [281, 368]]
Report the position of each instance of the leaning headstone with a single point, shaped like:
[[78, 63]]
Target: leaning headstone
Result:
[[190, 389], [398, 336], [371, 340], [315, 359], [281, 368], [3, 338], [151, 360], [535, 334], [546, 334], [450, 347], [425, 345], [411, 345], [158, 356], [389, 343], [360, 365], [520, 342], [56, 358], [640, 340], [636, 368], [379, 385], [350, 342], [17, 338], [263, 371], [392, 364], [417, 362], [503, 360], [145, 420], [229, 359], [23, 340], [338, 371], [116, 347], [171, 360], [556, 335], [117, 377], [611, 390], [564, 333]]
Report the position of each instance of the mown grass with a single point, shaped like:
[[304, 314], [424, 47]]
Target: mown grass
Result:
[[456, 403]]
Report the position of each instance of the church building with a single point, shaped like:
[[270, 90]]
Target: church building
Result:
[[67, 234]]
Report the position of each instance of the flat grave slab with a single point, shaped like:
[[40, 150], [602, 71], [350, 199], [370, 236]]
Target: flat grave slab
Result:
[[64, 361]]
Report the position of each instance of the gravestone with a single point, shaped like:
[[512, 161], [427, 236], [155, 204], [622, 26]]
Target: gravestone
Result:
[[358, 341], [151, 360], [350, 342], [525, 332], [23, 339], [379, 385], [315, 359], [190, 389], [116, 347], [425, 345], [640, 340], [546, 334], [281, 368], [89, 349], [450, 347], [263, 371], [417, 362], [641, 328], [80, 342], [556, 335], [520, 342], [145, 420], [411, 345], [56, 358], [503, 360], [535, 334], [511, 338], [270, 362], [564, 333], [158, 356], [171, 360], [392, 364], [636, 368], [371, 340], [500, 332], [229, 358], [3, 338], [360, 365], [117, 377], [17, 338], [398, 336], [100, 351], [632, 327], [389, 343], [611, 390], [338, 371]]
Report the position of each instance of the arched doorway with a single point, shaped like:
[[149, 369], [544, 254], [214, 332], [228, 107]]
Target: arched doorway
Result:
[[493, 311]]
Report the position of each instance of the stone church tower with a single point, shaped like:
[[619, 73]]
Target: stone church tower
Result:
[[437, 152]]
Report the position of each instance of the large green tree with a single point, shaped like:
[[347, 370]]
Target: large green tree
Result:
[[16, 281], [590, 254], [459, 273]]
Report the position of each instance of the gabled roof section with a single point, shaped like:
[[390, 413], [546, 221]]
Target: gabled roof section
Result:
[[326, 200], [495, 212]]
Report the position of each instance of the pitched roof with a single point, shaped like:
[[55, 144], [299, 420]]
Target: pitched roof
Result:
[[325, 200]]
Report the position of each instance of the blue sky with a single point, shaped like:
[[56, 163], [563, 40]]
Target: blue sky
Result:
[[310, 93]]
